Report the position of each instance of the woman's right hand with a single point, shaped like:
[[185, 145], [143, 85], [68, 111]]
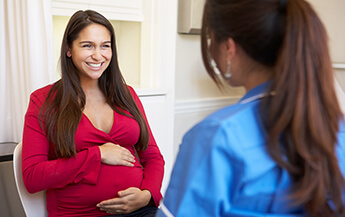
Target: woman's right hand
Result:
[[113, 154]]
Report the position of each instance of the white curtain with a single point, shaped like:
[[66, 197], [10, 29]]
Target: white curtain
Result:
[[26, 59]]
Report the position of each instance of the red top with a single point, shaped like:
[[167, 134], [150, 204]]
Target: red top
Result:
[[75, 185]]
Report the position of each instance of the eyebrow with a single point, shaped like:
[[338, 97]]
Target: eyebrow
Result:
[[83, 42]]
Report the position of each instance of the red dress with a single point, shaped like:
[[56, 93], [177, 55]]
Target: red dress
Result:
[[75, 185]]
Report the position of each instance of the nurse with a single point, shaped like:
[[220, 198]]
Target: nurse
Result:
[[280, 151]]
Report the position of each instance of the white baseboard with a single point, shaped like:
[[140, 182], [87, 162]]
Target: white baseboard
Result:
[[192, 106], [338, 65]]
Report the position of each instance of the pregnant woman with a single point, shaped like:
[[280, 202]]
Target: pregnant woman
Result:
[[86, 139]]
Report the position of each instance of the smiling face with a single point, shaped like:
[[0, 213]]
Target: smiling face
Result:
[[91, 52]]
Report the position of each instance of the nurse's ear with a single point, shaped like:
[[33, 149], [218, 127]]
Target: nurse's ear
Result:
[[231, 48]]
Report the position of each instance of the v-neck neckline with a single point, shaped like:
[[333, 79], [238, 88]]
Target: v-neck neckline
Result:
[[112, 126]]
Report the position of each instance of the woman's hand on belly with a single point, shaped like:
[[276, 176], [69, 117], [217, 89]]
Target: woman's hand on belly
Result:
[[128, 201], [113, 154]]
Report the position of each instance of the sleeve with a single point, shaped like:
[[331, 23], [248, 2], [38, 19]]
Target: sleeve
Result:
[[41, 173], [202, 177], [151, 160]]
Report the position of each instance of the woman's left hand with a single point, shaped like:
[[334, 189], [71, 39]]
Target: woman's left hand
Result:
[[128, 201]]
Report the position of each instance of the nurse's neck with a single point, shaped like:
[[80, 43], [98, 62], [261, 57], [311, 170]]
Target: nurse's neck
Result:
[[258, 77]]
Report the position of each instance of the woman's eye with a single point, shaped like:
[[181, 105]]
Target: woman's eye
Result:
[[87, 45], [106, 46]]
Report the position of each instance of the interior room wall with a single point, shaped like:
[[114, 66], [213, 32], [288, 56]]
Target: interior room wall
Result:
[[340, 75], [196, 95]]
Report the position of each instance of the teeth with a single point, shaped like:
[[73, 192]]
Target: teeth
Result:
[[95, 65]]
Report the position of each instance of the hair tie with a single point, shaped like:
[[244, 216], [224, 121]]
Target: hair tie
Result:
[[282, 5]]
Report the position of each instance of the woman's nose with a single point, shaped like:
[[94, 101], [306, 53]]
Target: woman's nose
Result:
[[97, 54]]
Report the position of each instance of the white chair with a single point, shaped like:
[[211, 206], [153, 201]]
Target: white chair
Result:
[[34, 204]]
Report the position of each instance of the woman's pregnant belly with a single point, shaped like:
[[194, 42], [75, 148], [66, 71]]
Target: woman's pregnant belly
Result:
[[111, 180]]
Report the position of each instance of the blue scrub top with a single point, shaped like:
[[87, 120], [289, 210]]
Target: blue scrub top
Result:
[[224, 169]]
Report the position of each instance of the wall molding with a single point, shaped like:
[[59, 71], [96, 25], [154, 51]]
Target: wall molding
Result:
[[338, 65], [112, 10], [208, 104]]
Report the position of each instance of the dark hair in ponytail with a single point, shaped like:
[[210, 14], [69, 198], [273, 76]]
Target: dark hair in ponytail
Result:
[[62, 110], [304, 114]]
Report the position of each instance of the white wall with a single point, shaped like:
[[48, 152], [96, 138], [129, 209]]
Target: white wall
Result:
[[196, 95], [340, 75]]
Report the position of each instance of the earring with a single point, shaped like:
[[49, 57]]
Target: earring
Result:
[[214, 67], [227, 73]]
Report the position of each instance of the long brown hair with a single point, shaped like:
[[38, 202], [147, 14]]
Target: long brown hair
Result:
[[302, 119], [62, 110]]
